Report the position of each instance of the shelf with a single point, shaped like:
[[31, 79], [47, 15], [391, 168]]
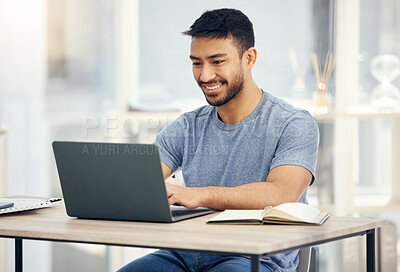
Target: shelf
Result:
[[357, 112], [331, 116]]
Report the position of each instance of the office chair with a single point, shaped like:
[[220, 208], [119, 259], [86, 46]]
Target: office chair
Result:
[[304, 259]]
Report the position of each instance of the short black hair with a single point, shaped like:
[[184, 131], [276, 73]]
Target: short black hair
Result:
[[222, 23]]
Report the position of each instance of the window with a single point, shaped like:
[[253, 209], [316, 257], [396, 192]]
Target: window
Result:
[[81, 47]]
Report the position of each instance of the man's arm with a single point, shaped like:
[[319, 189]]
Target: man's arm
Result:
[[167, 172], [284, 183]]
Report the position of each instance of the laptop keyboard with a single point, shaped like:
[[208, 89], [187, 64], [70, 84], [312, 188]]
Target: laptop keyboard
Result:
[[183, 212], [178, 211]]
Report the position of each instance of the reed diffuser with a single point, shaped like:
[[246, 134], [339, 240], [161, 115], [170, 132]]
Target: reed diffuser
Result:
[[321, 97]]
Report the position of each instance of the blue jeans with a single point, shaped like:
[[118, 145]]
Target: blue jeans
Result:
[[167, 260]]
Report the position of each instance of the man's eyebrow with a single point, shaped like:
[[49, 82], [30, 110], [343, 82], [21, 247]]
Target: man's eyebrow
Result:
[[219, 55]]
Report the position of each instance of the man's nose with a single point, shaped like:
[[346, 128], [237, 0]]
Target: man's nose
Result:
[[207, 73]]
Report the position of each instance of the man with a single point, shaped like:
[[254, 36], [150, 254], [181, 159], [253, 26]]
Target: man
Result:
[[246, 150]]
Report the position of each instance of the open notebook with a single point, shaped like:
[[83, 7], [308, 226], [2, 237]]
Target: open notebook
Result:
[[286, 213]]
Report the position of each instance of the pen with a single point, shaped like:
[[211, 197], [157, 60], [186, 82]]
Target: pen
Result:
[[4, 205]]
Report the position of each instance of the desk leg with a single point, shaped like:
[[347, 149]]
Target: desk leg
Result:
[[18, 255], [371, 251], [255, 263]]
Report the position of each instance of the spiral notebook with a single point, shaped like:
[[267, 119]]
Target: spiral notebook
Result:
[[19, 204]]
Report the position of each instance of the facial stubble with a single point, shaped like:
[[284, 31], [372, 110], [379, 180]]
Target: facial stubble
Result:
[[235, 88]]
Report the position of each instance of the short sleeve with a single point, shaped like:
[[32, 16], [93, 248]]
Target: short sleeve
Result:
[[298, 143], [171, 142]]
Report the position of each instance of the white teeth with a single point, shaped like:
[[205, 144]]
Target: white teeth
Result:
[[213, 88]]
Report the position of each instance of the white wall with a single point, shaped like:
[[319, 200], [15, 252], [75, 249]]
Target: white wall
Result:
[[23, 73]]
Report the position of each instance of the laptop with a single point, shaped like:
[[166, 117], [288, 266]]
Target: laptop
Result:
[[116, 181]]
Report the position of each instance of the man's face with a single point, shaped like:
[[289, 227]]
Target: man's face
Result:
[[217, 68]]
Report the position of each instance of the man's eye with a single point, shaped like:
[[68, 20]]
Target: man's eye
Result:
[[196, 63], [218, 61]]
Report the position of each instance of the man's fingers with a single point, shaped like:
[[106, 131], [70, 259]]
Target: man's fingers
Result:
[[171, 201], [181, 196], [174, 201]]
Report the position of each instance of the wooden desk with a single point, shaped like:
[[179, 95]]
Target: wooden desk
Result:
[[52, 224]]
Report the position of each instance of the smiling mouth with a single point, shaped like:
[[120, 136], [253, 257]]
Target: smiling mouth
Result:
[[213, 87]]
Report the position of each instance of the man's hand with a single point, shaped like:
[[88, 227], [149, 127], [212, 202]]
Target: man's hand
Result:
[[184, 196]]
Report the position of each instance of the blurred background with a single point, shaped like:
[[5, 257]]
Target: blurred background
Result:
[[119, 71]]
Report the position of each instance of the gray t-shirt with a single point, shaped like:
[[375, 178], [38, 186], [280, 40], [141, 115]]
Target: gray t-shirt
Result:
[[212, 153]]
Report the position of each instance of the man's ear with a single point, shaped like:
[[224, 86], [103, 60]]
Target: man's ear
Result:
[[250, 57]]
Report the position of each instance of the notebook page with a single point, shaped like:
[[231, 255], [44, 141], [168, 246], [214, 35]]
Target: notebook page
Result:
[[233, 215], [302, 211]]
